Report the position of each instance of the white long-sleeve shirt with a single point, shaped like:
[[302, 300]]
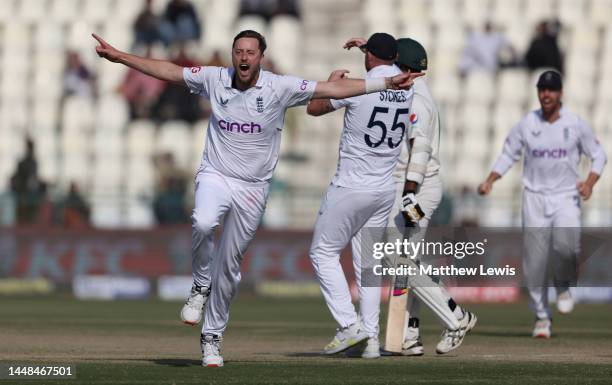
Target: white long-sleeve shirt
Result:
[[552, 151], [244, 132]]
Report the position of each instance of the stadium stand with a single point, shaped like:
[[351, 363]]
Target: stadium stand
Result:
[[90, 140]]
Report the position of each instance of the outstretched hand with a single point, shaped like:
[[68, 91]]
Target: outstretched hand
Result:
[[354, 42], [404, 80], [106, 50], [337, 75]]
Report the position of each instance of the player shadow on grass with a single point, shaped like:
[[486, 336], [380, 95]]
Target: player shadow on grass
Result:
[[176, 362], [308, 354], [493, 333], [353, 352]]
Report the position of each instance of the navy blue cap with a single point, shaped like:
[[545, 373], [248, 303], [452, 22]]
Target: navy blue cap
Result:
[[551, 80], [382, 45]]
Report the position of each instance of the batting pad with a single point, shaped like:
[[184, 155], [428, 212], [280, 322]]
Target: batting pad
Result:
[[434, 296]]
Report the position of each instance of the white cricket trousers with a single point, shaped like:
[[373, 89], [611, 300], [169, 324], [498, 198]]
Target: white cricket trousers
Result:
[[240, 206], [343, 214], [551, 243], [436, 296]]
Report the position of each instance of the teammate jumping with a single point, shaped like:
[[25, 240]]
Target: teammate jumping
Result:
[[552, 139], [241, 152]]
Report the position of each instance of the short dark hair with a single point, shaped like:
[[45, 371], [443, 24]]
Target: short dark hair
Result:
[[252, 34]]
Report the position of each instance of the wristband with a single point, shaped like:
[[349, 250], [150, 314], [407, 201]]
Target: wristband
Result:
[[375, 85]]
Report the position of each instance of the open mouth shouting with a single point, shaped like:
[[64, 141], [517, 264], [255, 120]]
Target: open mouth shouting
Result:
[[244, 70]]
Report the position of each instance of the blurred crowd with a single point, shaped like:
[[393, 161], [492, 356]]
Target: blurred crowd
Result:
[[489, 50], [34, 204], [149, 98], [40, 202], [269, 8], [171, 31]]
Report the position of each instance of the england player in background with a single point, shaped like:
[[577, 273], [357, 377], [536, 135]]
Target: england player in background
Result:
[[418, 194], [360, 195], [241, 152], [552, 140]]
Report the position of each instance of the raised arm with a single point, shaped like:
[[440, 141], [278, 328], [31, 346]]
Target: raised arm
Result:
[[318, 107], [160, 69], [346, 88]]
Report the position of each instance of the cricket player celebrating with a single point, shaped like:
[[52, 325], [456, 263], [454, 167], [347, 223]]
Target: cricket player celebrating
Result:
[[552, 140], [418, 194], [241, 152], [360, 195]]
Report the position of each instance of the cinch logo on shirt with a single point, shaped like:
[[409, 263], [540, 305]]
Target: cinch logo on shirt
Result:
[[556, 153], [246, 128]]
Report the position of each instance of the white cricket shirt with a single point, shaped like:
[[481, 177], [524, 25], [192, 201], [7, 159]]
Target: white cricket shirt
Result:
[[552, 151], [244, 130], [375, 126]]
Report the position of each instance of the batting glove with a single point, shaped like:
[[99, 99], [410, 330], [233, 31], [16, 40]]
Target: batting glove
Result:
[[410, 207]]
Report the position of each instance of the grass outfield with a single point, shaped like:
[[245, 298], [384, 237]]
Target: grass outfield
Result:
[[278, 342]]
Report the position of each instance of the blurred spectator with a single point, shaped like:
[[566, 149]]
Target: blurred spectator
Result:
[[169, 202], [141, 92], [287, 8], [544, 50], [483, 50], [174, 103], [78, 80], [75, 211], [46, 210], [147, 26], [263, 8], [27, 187], [180, 22], [269, 8]]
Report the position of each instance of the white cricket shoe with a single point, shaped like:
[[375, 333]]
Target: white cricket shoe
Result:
[[372, 348], [542, 328], [452, 339], [345, 338], [412, 347], [211, 350], [565, 302], [191, 313]]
